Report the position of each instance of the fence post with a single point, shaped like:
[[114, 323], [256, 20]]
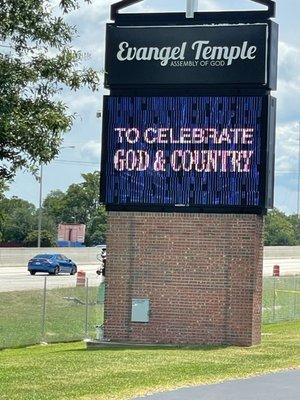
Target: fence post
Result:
[[274, 299], [295, 296], [86, 308], [44, 311]]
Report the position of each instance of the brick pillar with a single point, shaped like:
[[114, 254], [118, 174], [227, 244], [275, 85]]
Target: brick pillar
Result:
[[201, 272]]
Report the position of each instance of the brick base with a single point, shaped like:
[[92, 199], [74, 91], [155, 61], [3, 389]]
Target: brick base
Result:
[[201, 272]]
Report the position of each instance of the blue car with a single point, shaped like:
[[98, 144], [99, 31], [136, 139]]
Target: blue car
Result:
[[51, 263]]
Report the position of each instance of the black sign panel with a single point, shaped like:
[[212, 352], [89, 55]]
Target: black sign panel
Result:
[[187, 55], [207, 152]]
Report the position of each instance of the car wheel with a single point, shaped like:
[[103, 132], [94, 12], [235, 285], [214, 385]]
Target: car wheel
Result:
[[72, 271], [56, 271], [32, 272]]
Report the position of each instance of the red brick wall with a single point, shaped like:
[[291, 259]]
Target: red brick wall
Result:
[[201, 272]]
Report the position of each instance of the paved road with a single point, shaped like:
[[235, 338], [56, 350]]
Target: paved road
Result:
[[281, 386], [19, 279]]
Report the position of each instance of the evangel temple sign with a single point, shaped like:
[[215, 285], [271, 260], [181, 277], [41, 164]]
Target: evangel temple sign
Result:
[[187, 172]]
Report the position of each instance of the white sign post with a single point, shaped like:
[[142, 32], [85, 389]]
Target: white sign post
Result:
[[191, 8]]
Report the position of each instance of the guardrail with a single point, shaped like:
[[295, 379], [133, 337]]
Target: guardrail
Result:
[[281, 252], [19, 256]]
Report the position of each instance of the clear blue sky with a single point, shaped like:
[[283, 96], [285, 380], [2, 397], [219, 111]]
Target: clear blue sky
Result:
[[85, 135]]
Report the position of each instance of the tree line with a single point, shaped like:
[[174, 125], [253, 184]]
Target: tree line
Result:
[[79, 204], [282, 229]]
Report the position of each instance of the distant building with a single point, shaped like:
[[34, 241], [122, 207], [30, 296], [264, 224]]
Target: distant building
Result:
[[71, 235]]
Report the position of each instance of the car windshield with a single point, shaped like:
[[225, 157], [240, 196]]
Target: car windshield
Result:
[[48, 256]]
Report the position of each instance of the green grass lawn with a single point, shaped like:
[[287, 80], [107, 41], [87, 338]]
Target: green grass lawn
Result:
[[68, 371]]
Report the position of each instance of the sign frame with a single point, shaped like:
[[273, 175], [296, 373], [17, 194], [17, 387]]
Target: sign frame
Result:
[[116, 7], [271, 55], [127, 73]]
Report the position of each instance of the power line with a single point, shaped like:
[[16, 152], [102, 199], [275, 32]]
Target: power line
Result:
[[97, 163], [76, 162], [286, 172], [298, 194]]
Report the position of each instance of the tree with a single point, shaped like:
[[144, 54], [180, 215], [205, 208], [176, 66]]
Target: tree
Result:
[[19, 218], [82, 199], [279, 231], [36, 62], [47, 239], [97, 227], [54, 206], [295, 221], [3, 188]]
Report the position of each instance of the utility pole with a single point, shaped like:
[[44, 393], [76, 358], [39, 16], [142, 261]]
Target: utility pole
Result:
[[298, 194], [40, 206], [191, 8], [40, 179]]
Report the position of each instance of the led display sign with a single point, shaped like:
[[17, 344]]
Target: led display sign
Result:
[[185, 152]]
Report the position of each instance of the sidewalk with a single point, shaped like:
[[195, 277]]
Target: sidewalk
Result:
[[279, 386]]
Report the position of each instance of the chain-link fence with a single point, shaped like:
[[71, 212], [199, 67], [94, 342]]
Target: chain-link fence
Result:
[[281, 299], [55, 309], [51, 309]]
